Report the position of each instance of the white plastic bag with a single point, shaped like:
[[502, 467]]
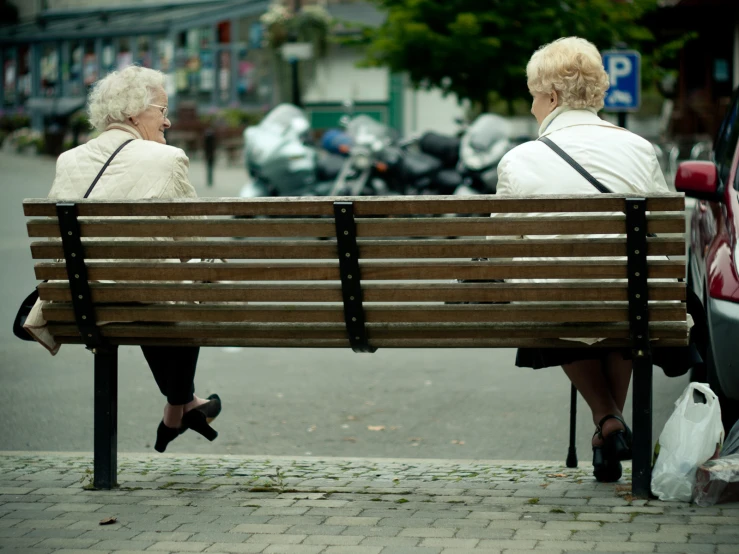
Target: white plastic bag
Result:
[[691, 436]]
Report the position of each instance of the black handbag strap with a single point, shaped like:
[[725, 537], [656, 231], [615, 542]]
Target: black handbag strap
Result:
[[580, 169], [113, 155]]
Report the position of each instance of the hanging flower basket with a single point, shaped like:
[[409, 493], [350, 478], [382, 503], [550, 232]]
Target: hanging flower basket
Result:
[[277, 21], [312, 24]]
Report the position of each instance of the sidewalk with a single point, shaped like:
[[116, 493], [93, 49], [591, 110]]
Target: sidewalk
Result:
[[223, 504]]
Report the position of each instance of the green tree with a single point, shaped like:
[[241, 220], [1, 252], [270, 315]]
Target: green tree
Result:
[[474, 47]]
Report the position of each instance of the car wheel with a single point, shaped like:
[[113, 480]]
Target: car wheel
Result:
[[699, 372], [729, 407]]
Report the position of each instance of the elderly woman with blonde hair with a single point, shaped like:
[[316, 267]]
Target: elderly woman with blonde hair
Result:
[[568, 83], [129, 108]]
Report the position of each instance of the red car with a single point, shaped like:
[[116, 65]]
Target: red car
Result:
[[713, 261]]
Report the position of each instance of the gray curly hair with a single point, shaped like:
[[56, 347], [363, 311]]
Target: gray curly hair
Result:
[[574, 68], [122, 94]]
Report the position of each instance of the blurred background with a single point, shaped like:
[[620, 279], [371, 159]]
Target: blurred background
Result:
[[314, 97]]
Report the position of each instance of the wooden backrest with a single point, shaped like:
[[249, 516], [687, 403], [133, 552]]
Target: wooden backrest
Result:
[[282, 285]]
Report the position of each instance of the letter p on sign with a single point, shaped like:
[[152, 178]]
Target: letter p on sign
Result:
[[618, 66], [624, 76]]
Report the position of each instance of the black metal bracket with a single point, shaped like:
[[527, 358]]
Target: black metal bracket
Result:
[[638, 290], [351, 283], [74, 256]]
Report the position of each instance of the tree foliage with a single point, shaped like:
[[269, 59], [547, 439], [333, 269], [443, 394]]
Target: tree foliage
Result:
[[474, 47]]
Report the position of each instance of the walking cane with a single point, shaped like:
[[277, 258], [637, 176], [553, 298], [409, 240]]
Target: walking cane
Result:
[[572, 451]]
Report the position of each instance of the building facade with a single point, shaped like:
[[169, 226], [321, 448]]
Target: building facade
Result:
[[214, 54]]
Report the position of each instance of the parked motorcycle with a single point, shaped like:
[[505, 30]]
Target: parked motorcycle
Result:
[[281, 161]]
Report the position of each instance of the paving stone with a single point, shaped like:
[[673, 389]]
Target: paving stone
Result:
[[427, 532], [236, 548], [215, 536], [164, 536], [169, 546], [688, 548], [713, 539], [316, 529], [661, 536], [620, 546], [390, 541], [297, 549], [411, 550], [68, 543], [276, 539], [260, 528], [353, 550], [334, 540]]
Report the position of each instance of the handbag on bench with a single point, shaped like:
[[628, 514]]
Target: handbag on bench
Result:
[[674, 360], [30, 300]]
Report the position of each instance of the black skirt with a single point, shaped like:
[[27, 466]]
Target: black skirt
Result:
[[538, 358]]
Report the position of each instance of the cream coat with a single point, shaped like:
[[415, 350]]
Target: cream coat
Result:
[[143, 169], [621, 160]]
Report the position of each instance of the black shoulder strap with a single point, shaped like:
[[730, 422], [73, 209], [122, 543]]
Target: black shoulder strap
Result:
[[113, 155], [580, 169]]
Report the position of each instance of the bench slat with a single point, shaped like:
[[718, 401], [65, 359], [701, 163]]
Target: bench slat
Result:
[[566, 224], [371, 270], [659, 330], [304, 206], [208, 313], [379, 343], [373, 292], [309, 249]]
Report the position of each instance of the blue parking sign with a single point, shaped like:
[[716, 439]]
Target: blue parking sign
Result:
[[624, 72]]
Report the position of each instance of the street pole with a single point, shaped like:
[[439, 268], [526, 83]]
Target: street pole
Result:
[[294, 70], [622, 119]]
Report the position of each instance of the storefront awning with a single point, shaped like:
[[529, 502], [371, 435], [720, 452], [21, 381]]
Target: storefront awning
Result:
[[63, 106], [145, 19]]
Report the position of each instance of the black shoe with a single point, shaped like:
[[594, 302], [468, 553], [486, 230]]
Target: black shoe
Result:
[[211, 409], [616, 445], [165, 435], [605, 470], [197, 421]]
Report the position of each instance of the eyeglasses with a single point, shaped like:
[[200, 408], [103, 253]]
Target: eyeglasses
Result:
[[164, 109]]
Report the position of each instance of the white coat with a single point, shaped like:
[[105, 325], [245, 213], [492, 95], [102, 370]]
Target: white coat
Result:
[[620, 160], [142, 169]]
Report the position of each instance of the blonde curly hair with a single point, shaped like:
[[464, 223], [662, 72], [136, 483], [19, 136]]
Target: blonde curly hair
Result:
[[122, 94], [572, 67]]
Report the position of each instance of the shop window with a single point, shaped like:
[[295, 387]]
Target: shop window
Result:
[[143, 52], [125, 56], [224, 77], [254, 79], [165, 54], [24, 73], [107, 63], [49, 70], [89, 64], [73, 85], [9, 77]]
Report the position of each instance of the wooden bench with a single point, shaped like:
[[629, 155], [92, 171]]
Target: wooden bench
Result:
[[363, 273]]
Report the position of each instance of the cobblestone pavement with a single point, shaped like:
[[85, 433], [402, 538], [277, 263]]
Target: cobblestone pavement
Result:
[[220, 504]]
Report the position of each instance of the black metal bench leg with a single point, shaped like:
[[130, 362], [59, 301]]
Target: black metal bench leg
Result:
[[106, 418], [572, 451], [642, 421]]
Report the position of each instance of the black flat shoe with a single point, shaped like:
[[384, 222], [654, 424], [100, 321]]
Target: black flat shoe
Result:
[[210, 409], [165, 435], [197, 421], [616, 445], [605, 470]]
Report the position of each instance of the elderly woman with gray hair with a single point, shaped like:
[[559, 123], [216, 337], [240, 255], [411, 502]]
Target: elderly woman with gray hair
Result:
[[568, 83], [129, 108]]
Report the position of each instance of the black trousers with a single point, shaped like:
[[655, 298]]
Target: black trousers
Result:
[[173, 368]]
